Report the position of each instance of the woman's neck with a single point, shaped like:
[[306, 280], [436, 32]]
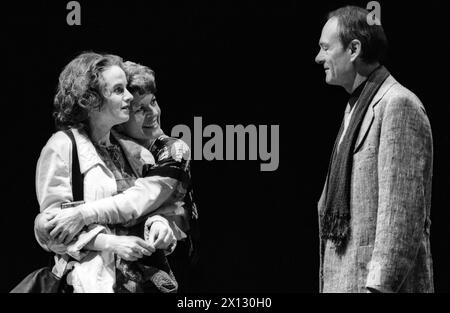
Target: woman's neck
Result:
[[100, 133]]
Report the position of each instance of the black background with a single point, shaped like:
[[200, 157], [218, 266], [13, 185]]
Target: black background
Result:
[[230, 62]]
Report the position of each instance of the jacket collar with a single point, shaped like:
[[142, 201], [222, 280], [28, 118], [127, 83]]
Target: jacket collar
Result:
[[368, 118], [86, 153], [136, 154]]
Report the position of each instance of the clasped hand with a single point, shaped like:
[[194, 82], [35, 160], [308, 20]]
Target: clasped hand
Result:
[[132, 248], [61, 228]]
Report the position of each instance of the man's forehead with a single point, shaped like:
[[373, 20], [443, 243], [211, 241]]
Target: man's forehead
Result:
[[329, 31]]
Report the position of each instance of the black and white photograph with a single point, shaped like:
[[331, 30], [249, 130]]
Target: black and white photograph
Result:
[[225, 148]]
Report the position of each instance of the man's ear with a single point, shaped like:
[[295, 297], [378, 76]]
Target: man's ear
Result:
[[355, 49]]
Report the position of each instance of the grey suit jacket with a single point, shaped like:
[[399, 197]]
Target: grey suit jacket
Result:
[[389, 245]]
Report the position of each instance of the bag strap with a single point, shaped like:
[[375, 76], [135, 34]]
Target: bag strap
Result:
[[77, 193], [77, 178]]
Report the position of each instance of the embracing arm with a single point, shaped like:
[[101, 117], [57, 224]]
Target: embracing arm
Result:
[[138, 201], [143, 198], [127, 247], [148, 193], [404, 176]]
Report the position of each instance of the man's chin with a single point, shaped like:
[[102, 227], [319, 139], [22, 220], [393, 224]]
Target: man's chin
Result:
[[330, 81], [327, 80]]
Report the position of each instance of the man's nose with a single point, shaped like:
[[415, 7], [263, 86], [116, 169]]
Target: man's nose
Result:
[[128, 97], [319, 57]]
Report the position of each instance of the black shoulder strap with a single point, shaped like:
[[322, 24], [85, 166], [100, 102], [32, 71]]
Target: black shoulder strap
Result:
[[77, 178]]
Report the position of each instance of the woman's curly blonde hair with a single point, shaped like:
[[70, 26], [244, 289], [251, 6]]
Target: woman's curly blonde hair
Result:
[[81, 89]]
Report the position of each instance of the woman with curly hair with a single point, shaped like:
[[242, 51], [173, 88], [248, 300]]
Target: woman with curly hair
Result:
[[92, 98]]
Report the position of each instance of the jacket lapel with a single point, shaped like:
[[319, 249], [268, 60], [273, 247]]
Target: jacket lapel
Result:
[[365, 126], [370, 115], [87, 154]]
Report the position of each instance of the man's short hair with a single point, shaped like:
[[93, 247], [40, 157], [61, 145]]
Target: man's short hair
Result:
[[352, 24]]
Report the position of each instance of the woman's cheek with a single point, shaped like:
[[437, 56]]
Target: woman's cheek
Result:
[[140, 120]]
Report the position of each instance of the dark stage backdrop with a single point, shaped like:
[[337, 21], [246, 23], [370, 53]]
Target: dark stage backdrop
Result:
[[229, 62]]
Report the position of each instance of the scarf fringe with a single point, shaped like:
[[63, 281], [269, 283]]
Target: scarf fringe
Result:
[[336, 227]]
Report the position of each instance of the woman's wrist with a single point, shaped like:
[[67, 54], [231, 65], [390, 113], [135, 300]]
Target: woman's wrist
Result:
[[88, 213], [102, 242], [109, 242]]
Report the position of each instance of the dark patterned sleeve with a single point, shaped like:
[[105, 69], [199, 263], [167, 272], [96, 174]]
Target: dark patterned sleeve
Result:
[[172, 157]]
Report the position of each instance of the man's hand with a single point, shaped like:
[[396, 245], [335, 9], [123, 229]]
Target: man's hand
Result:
[[161, 235], [130, 248], [66, 225], [43, 226]]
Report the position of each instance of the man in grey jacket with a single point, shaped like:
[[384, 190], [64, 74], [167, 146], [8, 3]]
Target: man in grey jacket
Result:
[[374, 211]]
